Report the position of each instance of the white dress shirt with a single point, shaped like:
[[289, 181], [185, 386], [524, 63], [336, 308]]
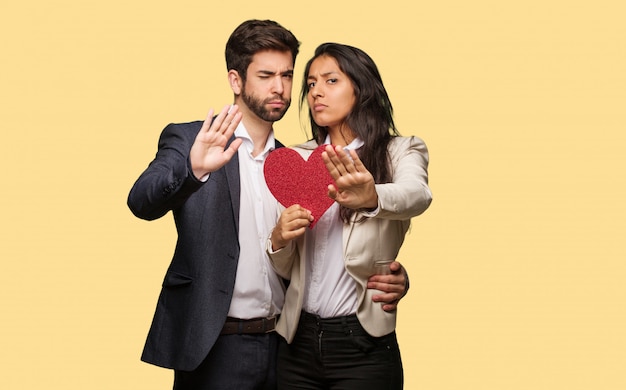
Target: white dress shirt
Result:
[[329, 290], [258, 292]]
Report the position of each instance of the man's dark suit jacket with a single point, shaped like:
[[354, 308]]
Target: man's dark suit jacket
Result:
[[198, 286]]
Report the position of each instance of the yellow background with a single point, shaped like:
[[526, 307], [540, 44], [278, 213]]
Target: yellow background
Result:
[[517, 269]]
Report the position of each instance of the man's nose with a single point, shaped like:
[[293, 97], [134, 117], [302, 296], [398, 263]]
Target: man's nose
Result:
[[278, 85]]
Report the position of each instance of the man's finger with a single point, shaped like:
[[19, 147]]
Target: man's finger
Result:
[[207, 122], [219, 119]]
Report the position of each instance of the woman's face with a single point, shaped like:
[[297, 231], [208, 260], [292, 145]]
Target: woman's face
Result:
[[331, 95]]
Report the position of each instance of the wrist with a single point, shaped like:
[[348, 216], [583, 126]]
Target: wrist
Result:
[[275, 242], [372, 204], [200, 175]]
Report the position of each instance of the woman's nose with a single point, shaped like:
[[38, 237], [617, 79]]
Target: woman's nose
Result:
[[316, 91]]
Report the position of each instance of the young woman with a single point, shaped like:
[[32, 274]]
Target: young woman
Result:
[[335, 336]]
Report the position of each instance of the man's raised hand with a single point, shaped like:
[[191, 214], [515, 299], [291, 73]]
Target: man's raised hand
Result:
[[208, 152]]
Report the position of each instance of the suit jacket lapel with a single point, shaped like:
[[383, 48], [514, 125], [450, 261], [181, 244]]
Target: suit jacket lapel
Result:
[[234, 186]]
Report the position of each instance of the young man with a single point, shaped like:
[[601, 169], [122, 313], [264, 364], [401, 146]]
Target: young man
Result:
[[215, 317]]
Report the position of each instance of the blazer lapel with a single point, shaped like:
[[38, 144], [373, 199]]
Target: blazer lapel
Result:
[[348, 228], [234, 186]]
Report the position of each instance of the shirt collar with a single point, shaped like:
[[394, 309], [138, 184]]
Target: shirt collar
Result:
[[354, 145], [242, 132]]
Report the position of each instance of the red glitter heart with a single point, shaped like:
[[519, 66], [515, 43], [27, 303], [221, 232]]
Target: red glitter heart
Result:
[[292, 180]]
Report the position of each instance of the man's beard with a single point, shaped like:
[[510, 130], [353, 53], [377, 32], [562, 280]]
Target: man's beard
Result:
[[258, 107]]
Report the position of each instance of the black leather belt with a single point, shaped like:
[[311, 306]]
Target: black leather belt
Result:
[[252, 326]]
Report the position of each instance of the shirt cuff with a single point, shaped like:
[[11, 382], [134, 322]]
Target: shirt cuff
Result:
[[370, 213], [268, 246]]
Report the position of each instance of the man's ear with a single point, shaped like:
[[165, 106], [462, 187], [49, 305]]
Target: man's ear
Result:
[[235, 81]]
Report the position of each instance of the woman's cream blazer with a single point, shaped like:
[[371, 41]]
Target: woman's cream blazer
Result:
[[378, 237]]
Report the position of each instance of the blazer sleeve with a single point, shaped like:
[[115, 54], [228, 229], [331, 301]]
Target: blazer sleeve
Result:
[[408, 195], [282, 260], [168, 181]]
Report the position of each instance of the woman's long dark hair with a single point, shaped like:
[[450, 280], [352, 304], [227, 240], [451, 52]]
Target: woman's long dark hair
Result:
[[371, 118]]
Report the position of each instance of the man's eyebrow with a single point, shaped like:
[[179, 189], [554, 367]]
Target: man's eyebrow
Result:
[[271, 73]]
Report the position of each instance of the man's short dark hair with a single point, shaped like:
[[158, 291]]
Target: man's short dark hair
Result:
[[253, 36]]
